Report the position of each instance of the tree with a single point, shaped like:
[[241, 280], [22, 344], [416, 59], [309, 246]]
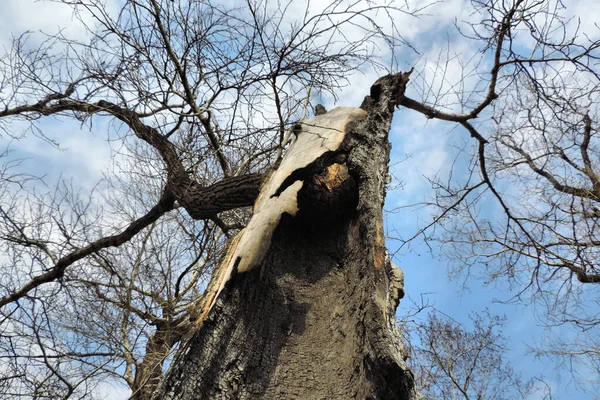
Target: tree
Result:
[[296, 303], [214, 93], [123, 316], [538, 112], [451, 361], [527, 96], [211, 91]]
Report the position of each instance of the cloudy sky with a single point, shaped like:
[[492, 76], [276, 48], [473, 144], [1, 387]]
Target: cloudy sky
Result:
[[421, 148]]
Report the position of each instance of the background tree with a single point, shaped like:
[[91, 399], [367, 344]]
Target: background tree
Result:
[[451, 361], [123, 312], [527, 95]]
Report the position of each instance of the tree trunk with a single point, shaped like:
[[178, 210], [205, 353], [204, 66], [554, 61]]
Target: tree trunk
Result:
[[317, 319]]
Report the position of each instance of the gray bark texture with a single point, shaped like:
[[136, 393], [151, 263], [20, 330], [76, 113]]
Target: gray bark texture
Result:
[[317, 319]]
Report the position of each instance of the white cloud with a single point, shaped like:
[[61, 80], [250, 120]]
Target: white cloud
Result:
[[112, 390], [426, 142], [587, 13], [44, 17], [82, 155], [19, 16]]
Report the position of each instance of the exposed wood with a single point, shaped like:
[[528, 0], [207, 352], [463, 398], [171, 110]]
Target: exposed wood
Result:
[[317, 137]]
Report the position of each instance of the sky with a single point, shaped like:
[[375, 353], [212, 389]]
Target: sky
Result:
[[420, 147]]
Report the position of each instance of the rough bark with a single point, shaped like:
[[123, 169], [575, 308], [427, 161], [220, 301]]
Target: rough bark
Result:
[[317, 319]]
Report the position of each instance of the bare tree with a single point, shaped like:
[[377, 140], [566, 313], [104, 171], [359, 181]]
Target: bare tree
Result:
[[577, 354], [537, 106], [109, 282], [527, 96], [123, 312], [451, 361], [202, 85], [213, 93]]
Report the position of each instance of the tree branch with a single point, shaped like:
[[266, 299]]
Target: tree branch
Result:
[[164, 205]]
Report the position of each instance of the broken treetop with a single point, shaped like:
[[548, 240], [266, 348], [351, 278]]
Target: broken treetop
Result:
[[319, 135]]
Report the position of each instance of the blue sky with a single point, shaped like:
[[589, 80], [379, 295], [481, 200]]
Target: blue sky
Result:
[[423, 147], [427, 274], [419, 142]]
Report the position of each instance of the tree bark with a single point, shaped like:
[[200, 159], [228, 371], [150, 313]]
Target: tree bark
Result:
[[149, 371], [317, 319]]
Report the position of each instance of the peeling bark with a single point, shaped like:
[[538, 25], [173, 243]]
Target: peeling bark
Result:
[[317, 320], [315, 146]]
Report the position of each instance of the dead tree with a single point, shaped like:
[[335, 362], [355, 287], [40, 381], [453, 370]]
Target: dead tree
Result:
[[205, 92], [309, 310]]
